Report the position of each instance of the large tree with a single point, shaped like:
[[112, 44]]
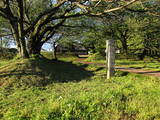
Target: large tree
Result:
[[35, 22]]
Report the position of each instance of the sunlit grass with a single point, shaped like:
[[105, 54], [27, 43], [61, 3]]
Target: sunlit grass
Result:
[[144, 64], [84, 97], [132, 97], [3, 62]]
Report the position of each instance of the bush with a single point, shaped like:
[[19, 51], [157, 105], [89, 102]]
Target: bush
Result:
[[8, 53]]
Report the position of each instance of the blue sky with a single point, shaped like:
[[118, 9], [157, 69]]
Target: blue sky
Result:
[[46, 46]]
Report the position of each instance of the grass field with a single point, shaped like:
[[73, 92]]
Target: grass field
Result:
[[75, 92], [3, 62], [147, 64]]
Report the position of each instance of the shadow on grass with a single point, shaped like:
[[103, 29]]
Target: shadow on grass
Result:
[[130, 62], [62, 71], [149, 72], [98, 69], [121, 73], [42, 72]]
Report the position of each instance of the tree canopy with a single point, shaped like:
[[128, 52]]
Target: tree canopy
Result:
[[34, 22]]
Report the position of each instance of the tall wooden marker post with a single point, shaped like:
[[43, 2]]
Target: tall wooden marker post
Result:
[[110, 58]]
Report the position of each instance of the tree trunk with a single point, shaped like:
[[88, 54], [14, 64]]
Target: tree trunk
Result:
[[16, 38], [15, 32], [74, 50], [20, 40], [142, 56], [125, 46], [54, 51], [110, 58], [34, 48], [24, 52], [1, 45]]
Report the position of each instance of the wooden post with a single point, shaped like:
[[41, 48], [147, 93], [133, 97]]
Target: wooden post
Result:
[[110, 58]]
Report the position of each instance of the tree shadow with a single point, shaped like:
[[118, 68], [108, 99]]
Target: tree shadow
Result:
[[121, 73], [42, 72], [62, 71], [98, 69], [149, 72]]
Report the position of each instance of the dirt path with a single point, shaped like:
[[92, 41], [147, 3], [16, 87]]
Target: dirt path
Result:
[[131, 70]]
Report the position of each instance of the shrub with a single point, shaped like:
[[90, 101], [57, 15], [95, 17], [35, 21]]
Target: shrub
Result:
[[8, 53]]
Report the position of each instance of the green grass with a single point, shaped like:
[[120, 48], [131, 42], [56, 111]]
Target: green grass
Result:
[[4, 62], [78, 92], [147, 64], [68, 57], [39, 71]]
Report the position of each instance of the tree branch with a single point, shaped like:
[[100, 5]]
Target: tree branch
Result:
[[114, 9], [52, 30], [41, 15]]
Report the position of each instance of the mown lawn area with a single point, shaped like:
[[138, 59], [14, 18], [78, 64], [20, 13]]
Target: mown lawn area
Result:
[[91, 97]]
